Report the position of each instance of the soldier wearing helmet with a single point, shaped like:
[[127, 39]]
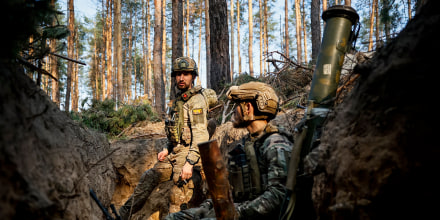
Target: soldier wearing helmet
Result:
[[258, 166], [186, 126]]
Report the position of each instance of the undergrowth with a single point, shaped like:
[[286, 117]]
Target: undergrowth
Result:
[[103, 117]]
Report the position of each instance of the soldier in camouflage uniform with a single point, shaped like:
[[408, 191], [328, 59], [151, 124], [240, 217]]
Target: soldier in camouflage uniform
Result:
[[258, 167], [186, 126]]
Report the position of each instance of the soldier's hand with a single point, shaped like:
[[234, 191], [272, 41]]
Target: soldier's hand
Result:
[[162, 155], [186, 171]]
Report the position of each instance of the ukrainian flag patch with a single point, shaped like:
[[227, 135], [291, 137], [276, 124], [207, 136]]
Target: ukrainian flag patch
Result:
[[197, 111]]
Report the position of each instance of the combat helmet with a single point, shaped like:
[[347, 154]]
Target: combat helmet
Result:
[[184, 64], [261, 94]]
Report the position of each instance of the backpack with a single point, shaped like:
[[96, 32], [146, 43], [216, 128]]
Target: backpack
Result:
[[210, 97]]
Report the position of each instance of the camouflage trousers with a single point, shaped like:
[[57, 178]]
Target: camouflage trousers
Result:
[[166, 170]]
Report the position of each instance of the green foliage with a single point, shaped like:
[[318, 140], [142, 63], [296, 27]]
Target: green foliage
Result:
[[103, 117]]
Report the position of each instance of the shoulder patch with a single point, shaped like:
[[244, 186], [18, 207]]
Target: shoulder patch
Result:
[[197, 111]]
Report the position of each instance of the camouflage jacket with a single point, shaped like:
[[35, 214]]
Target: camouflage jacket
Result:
[[272, 147], [187, 123]]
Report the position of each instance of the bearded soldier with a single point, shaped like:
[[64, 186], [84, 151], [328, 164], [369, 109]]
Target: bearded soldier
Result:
[[258, 167], [186, 126]]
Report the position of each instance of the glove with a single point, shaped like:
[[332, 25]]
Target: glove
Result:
[[205, 210]]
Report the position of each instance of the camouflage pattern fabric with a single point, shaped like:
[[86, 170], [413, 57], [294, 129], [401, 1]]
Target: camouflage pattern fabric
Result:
[[194, 130], [273, 147], [273, 151]]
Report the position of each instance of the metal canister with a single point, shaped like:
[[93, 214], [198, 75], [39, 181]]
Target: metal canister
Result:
[[339, 29]]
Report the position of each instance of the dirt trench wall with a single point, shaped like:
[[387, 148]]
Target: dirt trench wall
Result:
[[48, 163]]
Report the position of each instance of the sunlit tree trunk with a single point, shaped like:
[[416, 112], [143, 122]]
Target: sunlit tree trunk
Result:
[[261, 37], [75, 90], [200, 41], [231, 24], [251, 39], [144, 48], [149, 69], [266, 41], [286, 27], [108, 47], [298, 32], [409, 10], [102, 51], [304, 31], [208, 45], [118, 52], [159, 85], [164, 46], [70, 48], [370, 38], [54, 67], [126, 89], [238, 38]]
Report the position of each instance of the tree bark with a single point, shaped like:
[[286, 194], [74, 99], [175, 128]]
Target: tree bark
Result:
[[118, 53], [286, 27], [70, 48], [298, 32], [220, 65], [54, 68], [315, 18], [208, 45], [231, 21], [370, 37], [177, 41], [110, 80], [159, 86], [251, 39], [238, 38]]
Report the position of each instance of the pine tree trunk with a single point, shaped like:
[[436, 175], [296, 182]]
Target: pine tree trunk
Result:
[[208, 45], [70, 48], [251, 39], [177, 41], [261, 37], [315, 18], [110, 81], [370, 38], [159, 86], [286, 28], [118, 53], [231, 23], [53, 60], [238, 38], [219, 44], [298, 32]]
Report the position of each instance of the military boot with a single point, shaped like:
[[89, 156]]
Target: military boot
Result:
[[149, 180]]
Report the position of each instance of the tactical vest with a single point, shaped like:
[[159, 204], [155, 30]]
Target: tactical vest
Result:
[[176, 131], [244, 173]]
